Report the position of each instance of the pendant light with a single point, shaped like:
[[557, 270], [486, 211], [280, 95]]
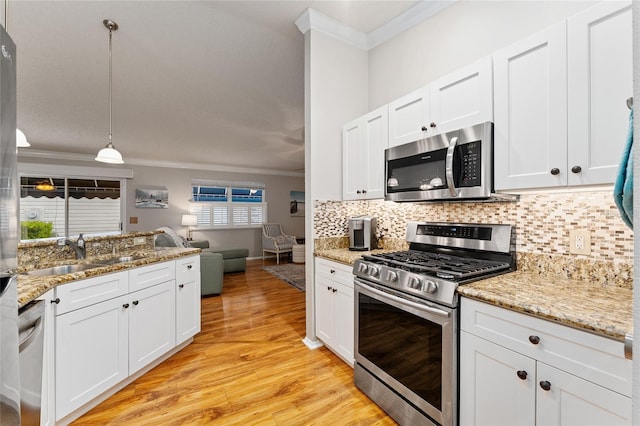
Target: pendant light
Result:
[[109, 154]]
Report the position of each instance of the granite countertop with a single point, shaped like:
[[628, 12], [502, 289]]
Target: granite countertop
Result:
[[30, 287], [602, 309], [346, 256]]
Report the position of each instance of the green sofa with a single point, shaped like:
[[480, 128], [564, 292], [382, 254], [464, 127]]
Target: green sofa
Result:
[[211, 266], [234, 260]]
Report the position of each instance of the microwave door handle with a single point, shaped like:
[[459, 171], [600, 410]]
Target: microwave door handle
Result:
[[449, 166]]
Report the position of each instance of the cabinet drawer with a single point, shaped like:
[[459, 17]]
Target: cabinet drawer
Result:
[[147, 276], [78, 294], [594, 358], [337, 271], [187, 269]]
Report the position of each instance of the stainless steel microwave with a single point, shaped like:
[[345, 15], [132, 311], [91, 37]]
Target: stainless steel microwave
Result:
[[452, 166]]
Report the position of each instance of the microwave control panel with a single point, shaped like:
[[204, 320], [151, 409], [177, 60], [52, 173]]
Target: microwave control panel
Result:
[[470, 163]]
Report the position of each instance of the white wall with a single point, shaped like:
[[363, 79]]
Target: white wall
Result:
[[337, 93], [178, 183], [457, 36]]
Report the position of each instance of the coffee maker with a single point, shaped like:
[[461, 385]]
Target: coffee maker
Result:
[[362, 233]]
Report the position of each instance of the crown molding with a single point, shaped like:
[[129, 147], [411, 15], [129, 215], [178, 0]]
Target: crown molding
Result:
[[312, 19], [52, 155], [410, 18]]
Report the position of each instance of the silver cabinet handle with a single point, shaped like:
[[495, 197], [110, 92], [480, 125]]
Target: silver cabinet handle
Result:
[[628, 346], [449, 166]]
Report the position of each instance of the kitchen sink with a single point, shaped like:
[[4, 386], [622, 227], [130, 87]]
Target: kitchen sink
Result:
[[116, 260], [62, 269]]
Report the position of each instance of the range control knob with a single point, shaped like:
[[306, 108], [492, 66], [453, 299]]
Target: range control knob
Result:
[[415, 283], [392, 276], [374, 271], [430, 287], [362, 268]]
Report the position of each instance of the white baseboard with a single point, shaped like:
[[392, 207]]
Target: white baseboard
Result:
[[312, 344]]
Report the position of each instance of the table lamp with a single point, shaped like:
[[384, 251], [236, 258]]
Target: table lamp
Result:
[[189, 220]]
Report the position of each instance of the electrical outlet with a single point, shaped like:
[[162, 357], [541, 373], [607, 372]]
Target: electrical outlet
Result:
[[139, 241], [580, 241]]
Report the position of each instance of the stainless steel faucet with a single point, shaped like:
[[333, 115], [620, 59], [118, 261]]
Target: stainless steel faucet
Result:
[[77, 246]]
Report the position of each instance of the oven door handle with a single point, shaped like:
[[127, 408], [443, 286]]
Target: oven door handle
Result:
[[449, 166], [391, 297]]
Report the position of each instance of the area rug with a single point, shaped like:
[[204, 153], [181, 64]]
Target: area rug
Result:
[[291, 273]]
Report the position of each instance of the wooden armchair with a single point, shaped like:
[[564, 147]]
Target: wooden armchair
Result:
[[274, 240]]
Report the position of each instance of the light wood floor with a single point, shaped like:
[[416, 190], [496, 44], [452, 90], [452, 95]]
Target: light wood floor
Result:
[[248, 366]]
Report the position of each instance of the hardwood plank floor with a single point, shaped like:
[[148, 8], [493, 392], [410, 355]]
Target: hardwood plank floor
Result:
[[248, 366]]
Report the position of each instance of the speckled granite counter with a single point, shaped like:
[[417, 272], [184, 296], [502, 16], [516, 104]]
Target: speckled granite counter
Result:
[[602, 309], [31, 287], [599, 308], [344, 255]]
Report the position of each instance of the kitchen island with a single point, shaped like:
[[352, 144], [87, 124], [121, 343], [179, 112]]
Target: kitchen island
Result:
[[30, 287]]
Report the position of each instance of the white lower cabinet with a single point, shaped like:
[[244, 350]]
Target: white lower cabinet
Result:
[[110, 327], [335, 308], [507, 376], [92, 353], [152, 319], [187, 298]]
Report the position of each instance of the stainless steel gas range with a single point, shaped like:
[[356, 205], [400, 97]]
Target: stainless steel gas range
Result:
[[406, 316]]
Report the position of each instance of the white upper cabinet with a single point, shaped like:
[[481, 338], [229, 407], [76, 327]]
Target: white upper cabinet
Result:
[[462, 98], [530, 109], [600, 66], [363, 143], [352, 142], [559, 101], [409, 118]]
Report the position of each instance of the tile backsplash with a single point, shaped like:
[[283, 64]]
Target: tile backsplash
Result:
[[542, 221]]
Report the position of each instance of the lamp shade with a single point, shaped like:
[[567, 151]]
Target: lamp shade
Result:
[[189, 220], [109, 155], [21, 139]]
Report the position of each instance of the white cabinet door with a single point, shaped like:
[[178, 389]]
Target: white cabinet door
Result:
[[152, 326], [462, 98], [325, 310], [409, 118], [600, 67], [363, 143], [352, 161], [91, 353], [571, 400], [376, 141], [497, 385], [344, 307], [530, 109], [187, 298]]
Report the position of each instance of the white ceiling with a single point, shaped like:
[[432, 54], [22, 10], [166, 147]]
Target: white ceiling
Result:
[[211, 84]]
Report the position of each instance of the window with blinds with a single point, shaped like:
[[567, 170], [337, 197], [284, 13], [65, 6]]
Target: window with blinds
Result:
[[228, 204]]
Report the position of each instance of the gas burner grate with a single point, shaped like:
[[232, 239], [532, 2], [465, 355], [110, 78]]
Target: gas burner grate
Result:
[[445, 266]]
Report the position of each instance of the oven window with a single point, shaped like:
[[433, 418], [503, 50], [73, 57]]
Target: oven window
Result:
[[405, 346], [420, 172]]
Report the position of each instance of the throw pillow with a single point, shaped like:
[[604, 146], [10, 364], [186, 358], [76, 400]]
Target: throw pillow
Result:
[[178, 239]]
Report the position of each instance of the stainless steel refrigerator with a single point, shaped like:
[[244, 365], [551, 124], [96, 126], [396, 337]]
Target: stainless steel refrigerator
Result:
[[9, 228]]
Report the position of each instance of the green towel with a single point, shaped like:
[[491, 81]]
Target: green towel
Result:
[[623, 188]]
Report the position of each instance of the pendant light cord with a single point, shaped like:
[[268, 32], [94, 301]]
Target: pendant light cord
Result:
[[110, 79]]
